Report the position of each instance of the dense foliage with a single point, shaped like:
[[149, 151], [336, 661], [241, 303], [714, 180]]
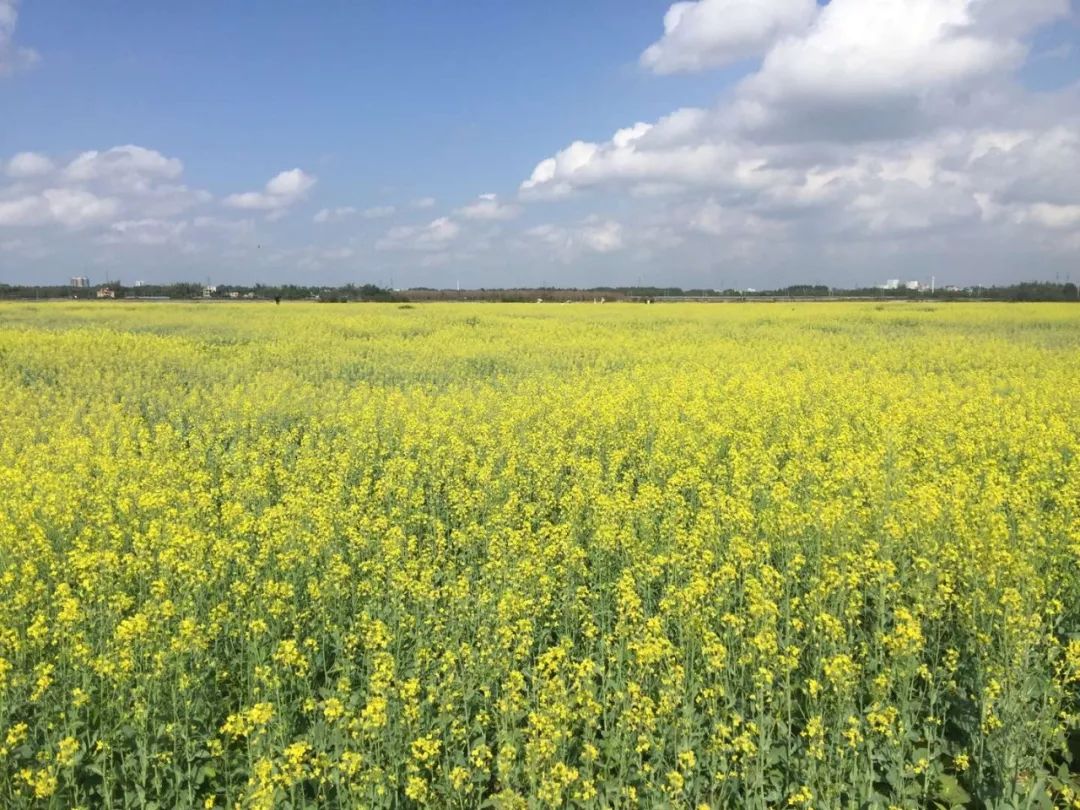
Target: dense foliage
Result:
[[704, 556]]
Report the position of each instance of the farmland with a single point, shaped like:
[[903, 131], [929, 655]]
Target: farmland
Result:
[[811, 555]]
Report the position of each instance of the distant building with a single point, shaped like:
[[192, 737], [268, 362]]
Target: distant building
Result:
[[209, 290], [913, 285], [80, 281], [140, 284], [106, 292], [234, 294], [891, 284]]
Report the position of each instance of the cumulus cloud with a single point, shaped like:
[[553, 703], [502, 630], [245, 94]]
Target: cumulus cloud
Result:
[[601, 236], [489, 207], [711, 33], [423, 202], [1025, 166], [566, 242], [72, 208], [713, 218], [281, 191], [29, 164], [434, 236], [551, 175], [1053, 216], [885, 68], [682, 149], [122, 186], [866, 121], [12, 57], [130, 166], [133, 174], [93, 188]]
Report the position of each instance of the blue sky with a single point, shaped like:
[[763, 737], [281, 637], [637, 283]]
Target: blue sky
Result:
[[138, 141], [419, 98]]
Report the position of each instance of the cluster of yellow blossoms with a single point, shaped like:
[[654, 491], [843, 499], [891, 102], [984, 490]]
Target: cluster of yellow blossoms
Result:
[[817, 555]]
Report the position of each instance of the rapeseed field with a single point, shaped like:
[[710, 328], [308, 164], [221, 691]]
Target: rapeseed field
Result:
[[526, 556]]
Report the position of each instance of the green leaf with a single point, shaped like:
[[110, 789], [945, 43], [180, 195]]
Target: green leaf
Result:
[[950, 792]]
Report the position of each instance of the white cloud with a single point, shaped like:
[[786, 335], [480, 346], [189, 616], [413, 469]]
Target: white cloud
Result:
[[710, 33], [864, 70], [591, 235], [280, 192], [29, 164], [97, 189], [423, 202], [488, 207], [549, 173], [434, 236], [601, 236], [133, 173], [75, 207], [875, 69], [712, 218], [1053, 216], [675, 151], [12, 57], [1025, 166], [291, 183], [71, 208], [30, 210], [879, 122], [132, 167]]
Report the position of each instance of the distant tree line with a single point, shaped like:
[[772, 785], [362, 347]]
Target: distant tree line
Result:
[[185, 290], [1023, 291]]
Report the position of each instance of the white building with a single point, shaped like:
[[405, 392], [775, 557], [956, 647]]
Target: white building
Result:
[[913, 285], [80, 281]]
